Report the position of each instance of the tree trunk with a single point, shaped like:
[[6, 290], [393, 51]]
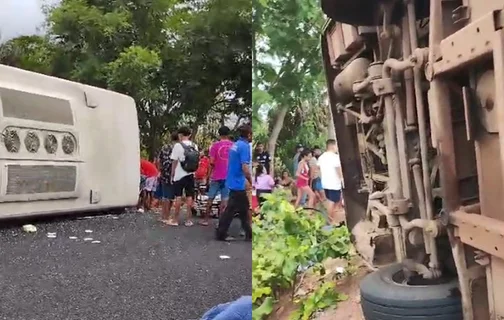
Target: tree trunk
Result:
[[331, 130], [194, 130], [279, 121]]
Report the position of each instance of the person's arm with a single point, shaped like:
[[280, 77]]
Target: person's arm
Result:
[[300, 169]]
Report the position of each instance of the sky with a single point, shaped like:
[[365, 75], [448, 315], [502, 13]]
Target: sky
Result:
[[20, 17]]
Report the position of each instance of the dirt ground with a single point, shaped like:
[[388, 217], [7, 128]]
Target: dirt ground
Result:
[[349, 309], [349, 285]]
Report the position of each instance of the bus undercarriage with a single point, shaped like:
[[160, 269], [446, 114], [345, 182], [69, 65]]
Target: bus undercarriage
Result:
[[417, 93]]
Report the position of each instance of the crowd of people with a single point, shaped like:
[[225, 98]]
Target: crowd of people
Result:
[[180, 171], [318, 178]]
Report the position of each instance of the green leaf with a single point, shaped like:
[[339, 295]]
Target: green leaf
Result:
[[265, 309]]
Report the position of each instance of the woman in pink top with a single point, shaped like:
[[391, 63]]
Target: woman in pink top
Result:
[[263, 183], [303, 179]]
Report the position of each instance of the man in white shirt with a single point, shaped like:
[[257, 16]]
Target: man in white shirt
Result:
[[332, 181], [185, 157]]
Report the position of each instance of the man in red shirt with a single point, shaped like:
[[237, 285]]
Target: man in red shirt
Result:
[[148, 183]]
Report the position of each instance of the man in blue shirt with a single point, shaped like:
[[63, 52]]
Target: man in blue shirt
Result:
[[238, 174]]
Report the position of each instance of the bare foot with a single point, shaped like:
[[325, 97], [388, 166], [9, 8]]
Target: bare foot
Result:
[[172, 223]]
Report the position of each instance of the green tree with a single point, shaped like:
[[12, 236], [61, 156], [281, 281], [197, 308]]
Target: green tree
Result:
[[288, 63], [34, 53], [180, 60]]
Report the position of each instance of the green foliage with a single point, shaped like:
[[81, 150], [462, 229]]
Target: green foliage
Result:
[[33, 52], [144, 63], [284, 241], [288, 73], [182, 60], [323, 297]]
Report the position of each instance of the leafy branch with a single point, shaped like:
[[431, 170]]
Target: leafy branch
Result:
[[286, 242]]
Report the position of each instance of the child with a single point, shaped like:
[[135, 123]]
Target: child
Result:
[[263, 183]]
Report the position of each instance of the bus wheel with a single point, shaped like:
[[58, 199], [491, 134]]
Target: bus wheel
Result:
[[387, 295]]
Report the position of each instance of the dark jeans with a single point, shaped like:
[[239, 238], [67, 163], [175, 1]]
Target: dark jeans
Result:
[[238, 203]]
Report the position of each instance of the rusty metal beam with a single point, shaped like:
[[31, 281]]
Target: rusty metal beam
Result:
[[480, 232], [469, 44]]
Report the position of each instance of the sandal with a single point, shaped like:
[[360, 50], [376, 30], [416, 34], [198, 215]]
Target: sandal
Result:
[[188, 223]]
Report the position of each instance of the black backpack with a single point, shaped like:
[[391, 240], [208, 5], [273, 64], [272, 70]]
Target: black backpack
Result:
[[191, 155]]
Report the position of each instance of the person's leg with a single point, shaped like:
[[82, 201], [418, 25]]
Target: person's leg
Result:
[[213, 190], [329, 206], [224, 192], [304, 198], [311, 197], [299, 197], [227, 216], [150, 186], [189, 192], [248, 192], [178, 189], [167, 201], [319, 192], [141, 197], [339, 213], [333, 197], [243, 213]]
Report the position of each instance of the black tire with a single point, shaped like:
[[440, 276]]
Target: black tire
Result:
[[384, 299]]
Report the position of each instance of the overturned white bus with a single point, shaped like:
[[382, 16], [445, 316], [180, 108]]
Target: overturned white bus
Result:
[[65, 147]]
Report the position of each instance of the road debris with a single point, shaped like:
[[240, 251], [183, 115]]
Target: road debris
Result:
[[30, 228], [224, 257]]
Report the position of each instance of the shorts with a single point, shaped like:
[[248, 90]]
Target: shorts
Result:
[[218, 187], [333, 195], [150, 184], [158, 194], [317, 184], [301, 183], [184, 186], [167, 192]]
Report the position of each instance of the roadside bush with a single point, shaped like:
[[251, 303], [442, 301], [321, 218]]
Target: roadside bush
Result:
[[286, 242]]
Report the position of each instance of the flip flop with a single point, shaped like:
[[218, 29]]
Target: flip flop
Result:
[[188, 223]]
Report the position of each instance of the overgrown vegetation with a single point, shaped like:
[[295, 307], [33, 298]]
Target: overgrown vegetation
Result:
[[286, 242]]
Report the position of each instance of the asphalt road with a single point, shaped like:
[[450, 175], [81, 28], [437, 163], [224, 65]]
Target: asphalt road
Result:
[[140, 270]]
